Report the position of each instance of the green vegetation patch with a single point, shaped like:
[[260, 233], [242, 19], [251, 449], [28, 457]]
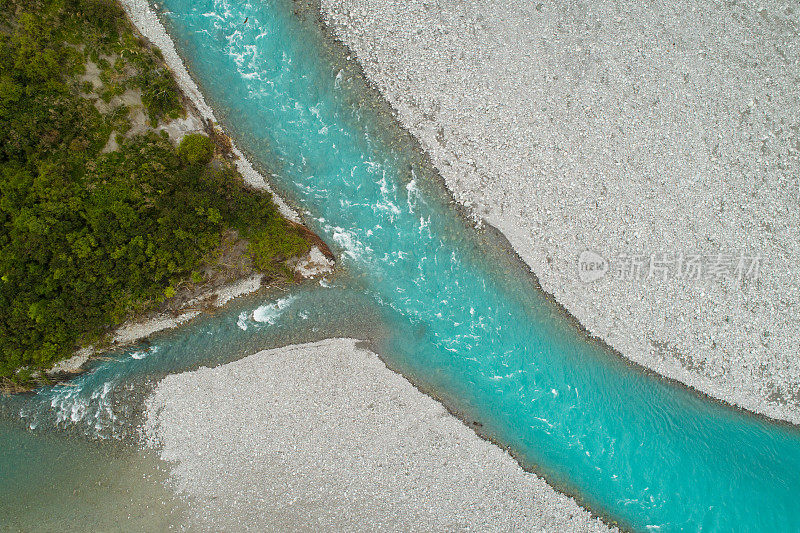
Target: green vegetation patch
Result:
[[88, 237]]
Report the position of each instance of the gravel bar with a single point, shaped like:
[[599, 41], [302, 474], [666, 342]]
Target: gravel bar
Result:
[[325, 437]]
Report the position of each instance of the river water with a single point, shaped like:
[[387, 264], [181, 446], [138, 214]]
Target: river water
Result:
[[443, 302]]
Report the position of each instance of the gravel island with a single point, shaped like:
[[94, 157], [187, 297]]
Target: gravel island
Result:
[[324, 436]]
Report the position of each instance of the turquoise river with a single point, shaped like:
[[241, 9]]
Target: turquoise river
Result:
[[442, 301]]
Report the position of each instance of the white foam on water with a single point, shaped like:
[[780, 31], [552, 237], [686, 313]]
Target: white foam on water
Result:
[[269, 313], [144, 353], [241, 321], [349, 241], [69, 405], [413, 195], [425, 227], [72, 406], [211, 14]]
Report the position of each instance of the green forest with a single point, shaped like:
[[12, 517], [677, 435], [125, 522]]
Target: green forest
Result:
[[94, 230]]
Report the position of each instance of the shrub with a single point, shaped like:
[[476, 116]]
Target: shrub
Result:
[[196, 149]]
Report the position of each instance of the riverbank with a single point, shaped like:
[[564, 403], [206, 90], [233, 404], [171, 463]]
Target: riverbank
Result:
[[147, 24], [185, 307], [233, 271], [571, 144], [323, 435]]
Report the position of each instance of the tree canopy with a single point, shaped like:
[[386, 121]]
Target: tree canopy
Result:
[[87, 235]]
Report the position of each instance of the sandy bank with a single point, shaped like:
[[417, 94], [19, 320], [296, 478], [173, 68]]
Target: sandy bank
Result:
[[141, 328], [137, 330], [314, 265], [323, 436], [620, 128]]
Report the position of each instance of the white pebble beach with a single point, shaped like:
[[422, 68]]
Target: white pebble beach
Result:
[[325, 437]]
